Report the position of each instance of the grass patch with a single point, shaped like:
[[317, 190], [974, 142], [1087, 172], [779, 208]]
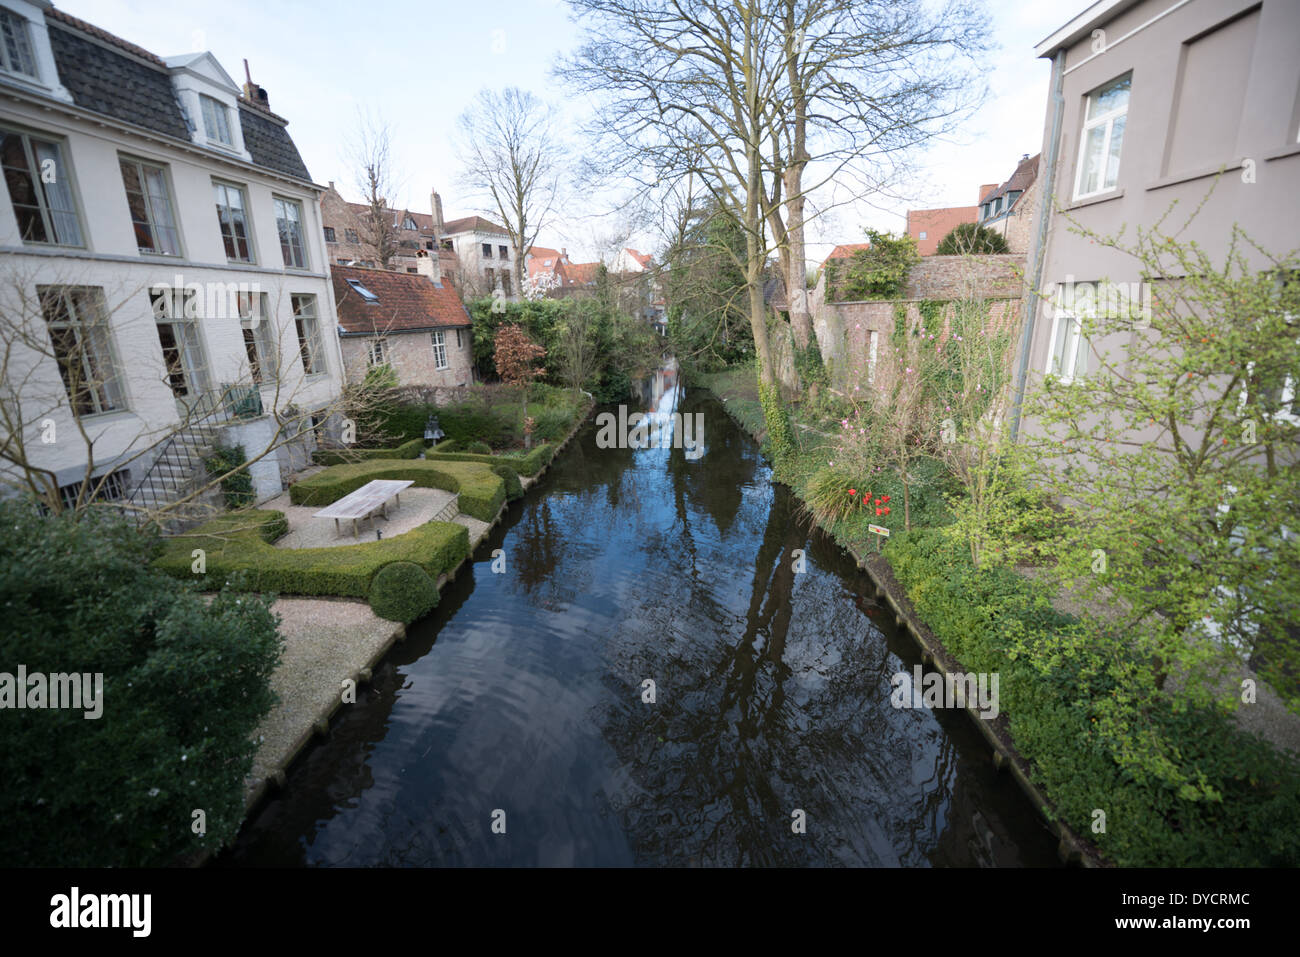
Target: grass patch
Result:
[[481, 491]]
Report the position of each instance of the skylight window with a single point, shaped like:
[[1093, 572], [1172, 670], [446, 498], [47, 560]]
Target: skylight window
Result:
[[362, 291]]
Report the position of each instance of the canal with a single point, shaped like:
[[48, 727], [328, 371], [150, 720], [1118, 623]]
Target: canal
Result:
[[520, 705]]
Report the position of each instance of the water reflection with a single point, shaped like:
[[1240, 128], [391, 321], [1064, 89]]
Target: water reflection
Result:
[[523, 693]]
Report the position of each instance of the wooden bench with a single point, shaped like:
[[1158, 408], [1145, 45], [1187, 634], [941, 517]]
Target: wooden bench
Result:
[[364, 502]]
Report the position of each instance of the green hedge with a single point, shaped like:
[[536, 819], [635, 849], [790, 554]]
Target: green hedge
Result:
[[482, 493], [407, 450], [529, 464], [241, 542], [975, 613]]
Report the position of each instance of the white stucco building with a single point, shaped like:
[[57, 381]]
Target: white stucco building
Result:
[[163, 263]]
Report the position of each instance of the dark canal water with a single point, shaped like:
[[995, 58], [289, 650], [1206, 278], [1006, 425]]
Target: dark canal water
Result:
[[523, 694]]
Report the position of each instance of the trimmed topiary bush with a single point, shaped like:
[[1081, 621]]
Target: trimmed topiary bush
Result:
[[407, 450], [240, 544], [479, 448], [529, 464], [514, 487], [481, 493], [402, 591]]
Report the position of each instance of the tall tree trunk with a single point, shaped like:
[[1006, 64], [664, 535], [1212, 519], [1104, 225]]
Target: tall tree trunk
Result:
[[794, 259]]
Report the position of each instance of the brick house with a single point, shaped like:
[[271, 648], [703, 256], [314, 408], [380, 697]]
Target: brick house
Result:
[[928, 226], [415, 323], [348, 235], [1011, 209], [482, 254]]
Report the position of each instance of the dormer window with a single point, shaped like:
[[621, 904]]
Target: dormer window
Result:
[[15, 45], [216, 120]]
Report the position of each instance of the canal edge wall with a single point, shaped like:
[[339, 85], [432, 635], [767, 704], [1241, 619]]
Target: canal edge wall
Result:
[[1071, 848]]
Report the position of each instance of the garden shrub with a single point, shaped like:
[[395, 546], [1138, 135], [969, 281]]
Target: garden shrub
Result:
[[514, 488], [403, 591], [185, 684], [984, 617], [237, 487], [239, 544], [479, 448], [554, 423], [481, 492]]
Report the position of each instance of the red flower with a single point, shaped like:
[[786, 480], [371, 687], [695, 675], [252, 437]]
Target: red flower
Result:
[[886, 498], [886, 509], [877, 511], [853, 493]]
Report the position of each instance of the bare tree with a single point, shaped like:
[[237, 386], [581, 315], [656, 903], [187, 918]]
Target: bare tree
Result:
[[370, 156], [514, 163], [865, 82]]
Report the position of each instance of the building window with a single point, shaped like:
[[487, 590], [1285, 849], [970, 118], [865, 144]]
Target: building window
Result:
[[458, 342], [216, 120], [428, 244], [411, 269], [329, 234], [362, 291], [233, 219], [923, 234], [377, 352], [1103, 137], [40, 189], [447, 245], [409, 223], [351, 236], [16, 48], [288, 221], [99, 488], [258, 330], [505, 283], [439, 349], [1068, 358], [150, 203], [78, 326], [487, 250], [309, 341], [503, 252]]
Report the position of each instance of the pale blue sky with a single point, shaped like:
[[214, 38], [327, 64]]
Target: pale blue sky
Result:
[[418, 65]]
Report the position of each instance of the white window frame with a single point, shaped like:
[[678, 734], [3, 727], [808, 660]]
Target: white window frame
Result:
[[285, 202], [94, 339], [14, 28], [439, 339], [1092, 122], [216, 120], [265, 338], [376, 352], [1073, 351], [63, 170], [218, 184], [153, 220], [307, 329]]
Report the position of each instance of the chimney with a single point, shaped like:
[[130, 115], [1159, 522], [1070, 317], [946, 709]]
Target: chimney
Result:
[[253, 93], [986, 189], [435, 203], [428, 265], [564, 253]]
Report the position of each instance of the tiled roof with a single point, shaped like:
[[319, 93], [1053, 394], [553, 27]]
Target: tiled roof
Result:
[[270, 144], [105, 74], [472, 224], [643, 258], [1024, 176], [408, 302], [581, 273], [106, 82], [52, 14], [845, 251], [542, 259], [936, 224]]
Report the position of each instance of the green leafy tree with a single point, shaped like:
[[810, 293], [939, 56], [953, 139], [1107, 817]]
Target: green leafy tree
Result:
[[878, 272], [971, 238], [1174, 441]]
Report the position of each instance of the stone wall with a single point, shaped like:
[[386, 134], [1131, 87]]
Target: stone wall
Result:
[[412, 358], [844, 329]]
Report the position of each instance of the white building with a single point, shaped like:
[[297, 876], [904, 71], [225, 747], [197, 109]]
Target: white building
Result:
[[483, 249], [164, 265]]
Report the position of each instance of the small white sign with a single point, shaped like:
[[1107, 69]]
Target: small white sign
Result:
[[879, 530]]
